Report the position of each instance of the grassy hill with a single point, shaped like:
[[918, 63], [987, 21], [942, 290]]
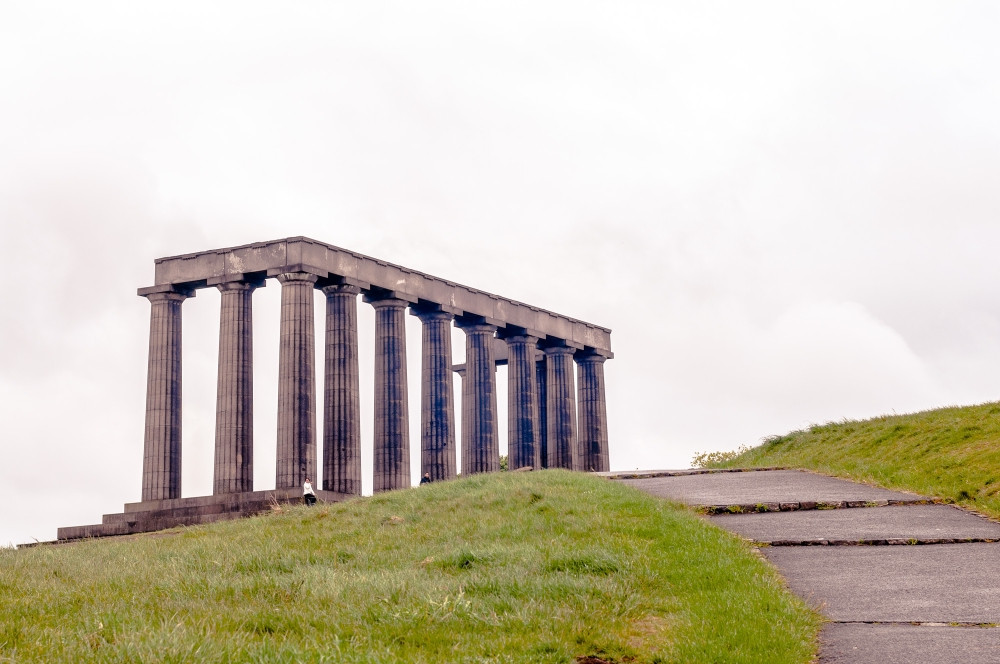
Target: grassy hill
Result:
[[950, 453], [547, 566]]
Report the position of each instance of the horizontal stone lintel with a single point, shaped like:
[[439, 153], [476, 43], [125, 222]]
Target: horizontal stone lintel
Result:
[[501, 355], [333, 265]]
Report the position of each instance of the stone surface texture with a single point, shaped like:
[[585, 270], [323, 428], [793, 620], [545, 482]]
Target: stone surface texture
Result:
[[480, 430], [593, 413], [308, 255], [523, 445], [862, 643], [156, 515], [941, 583], [437, 397], [392, 434], [759, 487], [919, 523], [887, 597], [161, 461], [234, 400], [342, 392], [296, 456], [541, 376], [560, 408]]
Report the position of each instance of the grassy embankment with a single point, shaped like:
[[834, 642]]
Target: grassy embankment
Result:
[[951, 453], [511, 567]]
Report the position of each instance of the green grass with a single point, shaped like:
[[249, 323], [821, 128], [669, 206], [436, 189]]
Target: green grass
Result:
[[951, 453], [510, 567]]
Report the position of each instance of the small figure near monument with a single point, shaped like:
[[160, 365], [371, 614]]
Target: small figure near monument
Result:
[[426, 479], [308, 495]]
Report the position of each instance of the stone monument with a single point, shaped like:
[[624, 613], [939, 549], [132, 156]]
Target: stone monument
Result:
[[553, 421]]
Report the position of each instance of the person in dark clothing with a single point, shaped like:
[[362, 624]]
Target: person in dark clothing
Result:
[[308, 495]]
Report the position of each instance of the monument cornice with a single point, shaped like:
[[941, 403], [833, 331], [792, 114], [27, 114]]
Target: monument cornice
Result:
[[331, 264]]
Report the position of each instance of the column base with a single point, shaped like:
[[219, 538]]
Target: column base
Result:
[[152, 515]]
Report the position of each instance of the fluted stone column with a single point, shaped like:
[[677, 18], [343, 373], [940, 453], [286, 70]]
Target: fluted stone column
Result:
[[561, 408], [523, 447], [480, 448], [342, 394], [296, 456], [392, 437], [234, 396], [161, 459], [593, 413], [541, 371], [437, 397]]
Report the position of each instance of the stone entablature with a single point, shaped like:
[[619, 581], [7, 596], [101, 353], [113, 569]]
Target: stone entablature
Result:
[[332, 264]]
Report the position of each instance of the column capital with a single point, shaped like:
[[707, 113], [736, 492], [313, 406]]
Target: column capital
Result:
[[246, 286], [473, 324], [431, 314], [374, 295], [160, 293], [167, 297], [288, 277], [590, 357], [478, 328], [508, 331], [522, 339], [476, 324], [559, 350], [341, 289], [387, 303], [426, 311]]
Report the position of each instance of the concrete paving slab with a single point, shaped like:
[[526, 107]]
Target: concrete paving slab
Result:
[[925, 523], [890, 604], [908, 644], [764, 486], [943, 583], [638, 474]]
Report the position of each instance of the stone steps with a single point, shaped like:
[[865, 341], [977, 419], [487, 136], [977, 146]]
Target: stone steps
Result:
[[150, 516]]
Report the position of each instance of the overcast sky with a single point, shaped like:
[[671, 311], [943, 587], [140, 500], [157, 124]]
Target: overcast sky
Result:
[[786, 212]]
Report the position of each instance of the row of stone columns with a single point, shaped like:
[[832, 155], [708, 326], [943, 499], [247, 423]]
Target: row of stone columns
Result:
[[542, 401]]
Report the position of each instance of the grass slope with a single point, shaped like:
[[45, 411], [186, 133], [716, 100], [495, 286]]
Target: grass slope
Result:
[[950, 453], [510, 567]]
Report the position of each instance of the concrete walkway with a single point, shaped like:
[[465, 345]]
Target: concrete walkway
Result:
[[900, 580]]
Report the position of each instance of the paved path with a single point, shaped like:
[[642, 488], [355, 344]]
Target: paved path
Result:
[[899, 579]]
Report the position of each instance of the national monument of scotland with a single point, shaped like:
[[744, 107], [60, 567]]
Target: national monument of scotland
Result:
[[555, 420]]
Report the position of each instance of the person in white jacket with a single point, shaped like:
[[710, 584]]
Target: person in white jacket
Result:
[[308, 495]]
